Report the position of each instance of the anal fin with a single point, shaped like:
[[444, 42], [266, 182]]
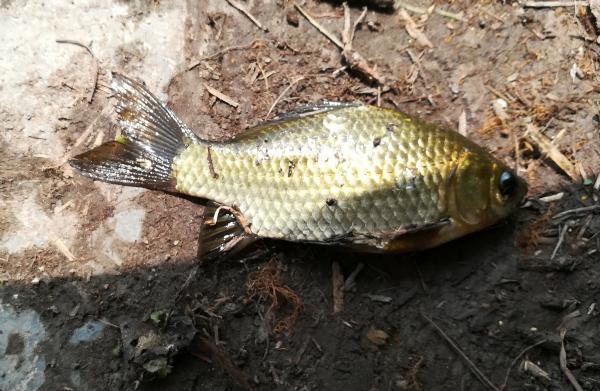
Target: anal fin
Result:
[[224, 232]]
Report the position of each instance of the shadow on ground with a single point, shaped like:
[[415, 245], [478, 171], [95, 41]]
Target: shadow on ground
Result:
[[128, 330]]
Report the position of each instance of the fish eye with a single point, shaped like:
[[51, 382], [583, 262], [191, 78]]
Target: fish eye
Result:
[[506, 183]]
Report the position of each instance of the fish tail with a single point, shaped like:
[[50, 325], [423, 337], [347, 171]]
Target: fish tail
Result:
[[151, 137]]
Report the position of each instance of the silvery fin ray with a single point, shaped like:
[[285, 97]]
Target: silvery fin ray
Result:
[[358, 176]]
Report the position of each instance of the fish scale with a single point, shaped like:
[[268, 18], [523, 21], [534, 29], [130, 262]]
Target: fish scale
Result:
[[397, 183]]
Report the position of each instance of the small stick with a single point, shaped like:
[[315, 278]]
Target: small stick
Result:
[[349, 283], [462, 123], [351, 56], [71, 42], [243, 10], [296, 80], [221, 96], [419, 10], [512, 364], [354, 59], [562, 357], [302, 350], [221, 52], [476, 371], [265, 77], [553, 197], [561, 239], [62, 247], [551, 151], [551, 4], [413, 30], [575, 211], [338, 287], [318, 26]]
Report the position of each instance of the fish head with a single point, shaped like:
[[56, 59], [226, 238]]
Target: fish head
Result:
[[485, 190]]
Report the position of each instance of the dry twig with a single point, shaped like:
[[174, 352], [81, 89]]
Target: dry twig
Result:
[[338, 287], [354, 59], [563, 362], [436, 10], [349, 283], [318, 26], [512, 364], [413, 30], [551, 151], [218, 94], [476, 371], [575, 211], [552, 4], [561, 239], [243, 10], [221, 52], [96, 66]]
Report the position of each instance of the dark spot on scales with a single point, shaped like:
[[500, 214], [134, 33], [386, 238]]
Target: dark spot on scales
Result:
[[376, 141], [211, 168], [291, 166], [331, 201], [390, 127]]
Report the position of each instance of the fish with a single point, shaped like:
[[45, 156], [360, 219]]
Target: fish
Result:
[[361, 177]]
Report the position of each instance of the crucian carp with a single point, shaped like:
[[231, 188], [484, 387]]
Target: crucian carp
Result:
[[353, 175]]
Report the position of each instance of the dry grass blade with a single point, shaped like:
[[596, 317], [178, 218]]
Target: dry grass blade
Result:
[[476, 371], [96, 66], [276, 101], [563, 363], [552, 152], [318, 26]]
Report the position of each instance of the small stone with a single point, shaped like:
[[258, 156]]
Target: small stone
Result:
[[292, 18], [377, 337]]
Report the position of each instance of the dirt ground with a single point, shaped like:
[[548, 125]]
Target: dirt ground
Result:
[[125, 304]]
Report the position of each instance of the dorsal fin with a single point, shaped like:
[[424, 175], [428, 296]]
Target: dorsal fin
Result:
[[298, 112]]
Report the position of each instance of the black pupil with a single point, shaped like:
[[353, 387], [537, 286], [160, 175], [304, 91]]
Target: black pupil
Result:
[[506, 183]]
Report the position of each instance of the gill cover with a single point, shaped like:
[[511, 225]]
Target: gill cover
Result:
[[472, 187]]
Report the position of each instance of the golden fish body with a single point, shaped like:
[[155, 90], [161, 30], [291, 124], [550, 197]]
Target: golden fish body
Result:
[[360, 176]]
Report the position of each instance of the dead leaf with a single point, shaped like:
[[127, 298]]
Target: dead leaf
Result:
[[413, 30]]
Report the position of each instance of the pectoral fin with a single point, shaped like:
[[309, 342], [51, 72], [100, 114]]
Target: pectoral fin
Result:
[[224, 232]]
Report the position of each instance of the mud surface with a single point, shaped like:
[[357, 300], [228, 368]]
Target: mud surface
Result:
[[128, 305]]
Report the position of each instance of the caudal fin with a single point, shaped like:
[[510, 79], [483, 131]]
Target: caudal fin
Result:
[[152, 136]]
